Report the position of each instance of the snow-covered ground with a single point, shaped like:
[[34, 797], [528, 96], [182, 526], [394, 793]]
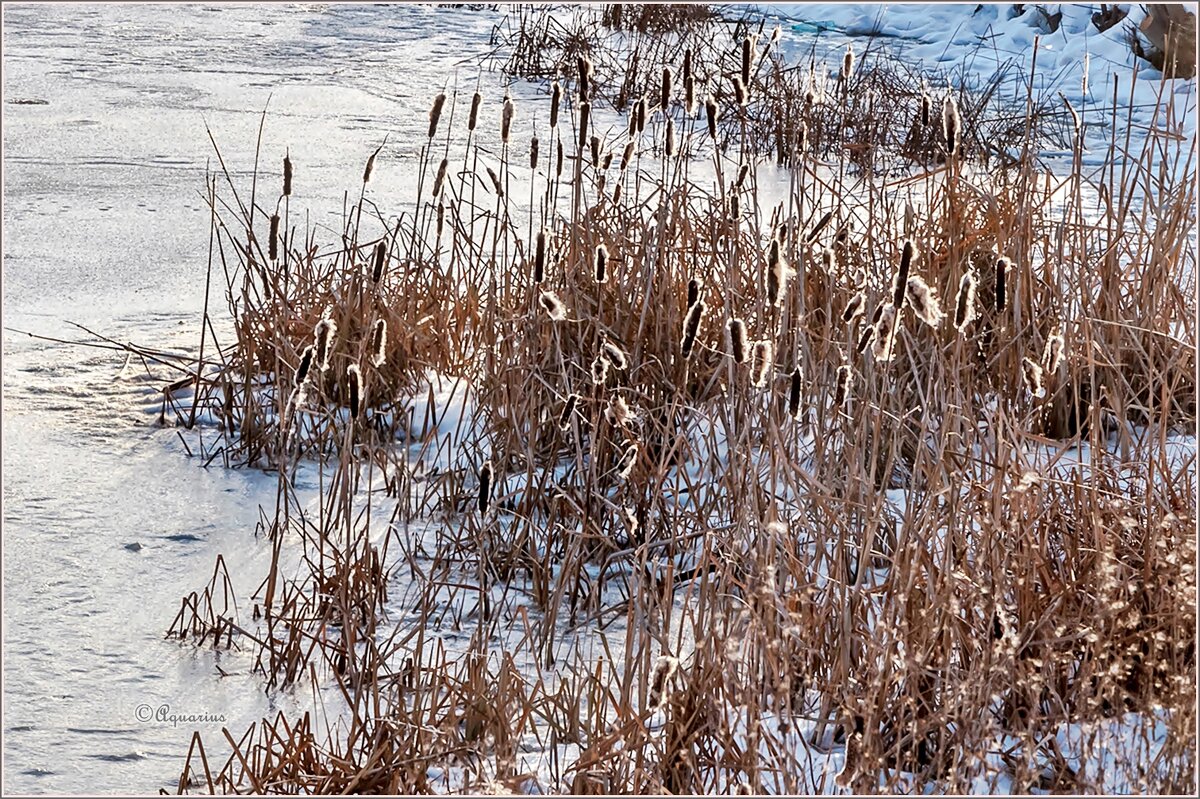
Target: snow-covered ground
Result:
[[107, 523]]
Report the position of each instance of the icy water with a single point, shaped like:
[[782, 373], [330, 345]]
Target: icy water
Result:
[[107, 522]]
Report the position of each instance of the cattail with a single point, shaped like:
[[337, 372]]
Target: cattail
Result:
[[926, 105], [900, 282], [355, 378], [485, 486], [441, 218], [747, 46], [324, 333], [1032, 372], [664, 669], [616, 197], [1052, 355], [379, 343], [737, 340], [735, 206], [585, 110], [625, 468], [539, 258], [817, 228], [495, 183], [287, 176], [585, 72], [606, 161], [297, 398], [885, 334], [924, 302], [273, 243], [533, 153], [473, 118], [964, 306], [564, 421], [380, 258], [743, 171], [665, 102], [802, 139], [794, 393], [595, 144], [370, 166], [691, 327], [631, 522], [555, 98], [617, 412], [687, 64], [670, 137], [950, 124], [845, 381], [441, 177], [558, 164], [614, 354], [506, 117], [435, 113], [306, 359], [601, 263], [1002, 265], [850, 763], [739, 91], [599, 370], [640, 116], [761, 362], [553, 305], [689, 95], [866, 337], [828, 259], [710, 112], [777, 273], [627, 156], [855, 307], [693, 292], [848, 63]]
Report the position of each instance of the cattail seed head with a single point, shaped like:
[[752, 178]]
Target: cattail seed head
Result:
[[924, 302], [743, 171], [370, 166], [606, 161], [900, 282], [794, 392], [693, 292], [1052, 355], [599, 370], [585, 72], [689, 95], [1002, 265], [379, 343], [665, 101], [735, 206], [867, 336], [553, 305], [747, 47], [506, 117], [473, 117], [855, 307], [951, 124], [964, 305], [670, 137], [640, 116], [354, 376], [323, 334], [627, 156], [496, 182], [306, 359], [777, 273], [601, 264], [762, 361], [380, 259], [737, 340], [739, 91], [539, 258], [664, 669], [926, 107], [441, 218], [845, 382], [533, 153], [691, 327], [558, 163], [595, 144], [828, 259], [1032, 372], [885, 334], [435, 113], [564, 420], [287, 176], [585, 111], [687, 63], [485, 486], [710, 113], [555, 98], [273, 243], [441, 177], [616, 195], [617, 412], [614, 355], [802, 139], [848, 63], [628, 460]]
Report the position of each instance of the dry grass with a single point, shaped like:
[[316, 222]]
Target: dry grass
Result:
[[875, 549]]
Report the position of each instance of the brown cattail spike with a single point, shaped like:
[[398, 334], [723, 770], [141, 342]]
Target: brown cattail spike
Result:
[[1002, 265], [473, 117], [964, 305], [585, 72], [1032, 373], [485, 486], [691, 327], [664, 670], [777, 273], [951, 124], [627, 156], [539, 258], [273, 243], [747, 47], [354, 376], [555, 99], [762, 362], [739, 91], [379, 343], [306, 359], [665, 96], [601, 264], [506, 118], [380, 259], [568, 411], [670, 137], [900, 282], [324, 333], [885, 334], [287, 176], [710, 113], [435, 113], [855, 307], [794, 391], [533, 153], [585, 110], [845, 382], [693, 292], [924, 302], [737, 340], [441, 177], [848, 63]]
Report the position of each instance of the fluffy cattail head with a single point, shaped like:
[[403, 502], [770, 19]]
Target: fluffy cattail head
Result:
[[628, 459], [777, 273], [664, 670], [855, 307], [506, 117], [739, 91], [885, 334], [323, 334], [553, 305], [900, 282], [539, 258], [693, 292], [710, 114], [762, 362], [1032, 372], [485, 486], [354, 377], [584, 67], [617, 412], [599, 370], [564, 420], [845, 382], [306, 359], [287, 176], [951, 124], [273, 243], [1052, 355], [737, 340], [964, 304], [924, 302], [601, 264], [379, 343], [794, 393], [691, 327], [848, 63], [614, 355], [435, 113]]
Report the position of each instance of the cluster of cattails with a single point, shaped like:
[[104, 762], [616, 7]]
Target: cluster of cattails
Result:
[[664, 669]]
